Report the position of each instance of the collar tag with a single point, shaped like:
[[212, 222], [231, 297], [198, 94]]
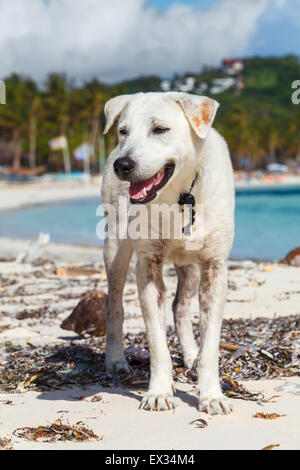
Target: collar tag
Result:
[[187, 199]]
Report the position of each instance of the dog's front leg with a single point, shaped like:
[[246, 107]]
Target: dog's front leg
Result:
[[151, 292], [117, 257], [212, 296]]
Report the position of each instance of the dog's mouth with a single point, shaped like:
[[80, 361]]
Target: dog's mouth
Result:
[[141, 192]]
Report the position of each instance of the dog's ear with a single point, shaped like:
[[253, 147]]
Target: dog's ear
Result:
[[199, 110], [113, 109]]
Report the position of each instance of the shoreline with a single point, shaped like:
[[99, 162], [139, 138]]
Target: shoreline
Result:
[[287, 180], [23, 195], [30, 194], [10, 247], [56, 195]]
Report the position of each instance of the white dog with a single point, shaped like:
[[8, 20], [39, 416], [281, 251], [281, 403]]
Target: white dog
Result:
[[167, 148]]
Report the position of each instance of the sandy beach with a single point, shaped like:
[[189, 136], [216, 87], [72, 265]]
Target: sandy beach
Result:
[[255, 290], [19, 195], [36, 298]]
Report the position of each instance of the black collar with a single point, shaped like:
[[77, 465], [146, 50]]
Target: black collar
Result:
[[188, 198]]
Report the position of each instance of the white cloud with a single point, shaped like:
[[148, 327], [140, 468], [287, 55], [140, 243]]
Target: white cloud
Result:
[[279, 9], [117, 39]]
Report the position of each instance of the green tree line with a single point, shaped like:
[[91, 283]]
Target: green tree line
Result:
[[259, 122]]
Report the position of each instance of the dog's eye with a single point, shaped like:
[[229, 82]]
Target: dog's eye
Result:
[[123, 131], [160, 130]]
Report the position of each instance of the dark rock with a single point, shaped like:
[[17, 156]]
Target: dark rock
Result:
[[293, 257], [88, 316]]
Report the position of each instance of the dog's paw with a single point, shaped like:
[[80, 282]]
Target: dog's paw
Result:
[[158, 401], [120, 367], [215, 404]]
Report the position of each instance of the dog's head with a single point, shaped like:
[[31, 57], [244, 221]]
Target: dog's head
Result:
[[157, 135]]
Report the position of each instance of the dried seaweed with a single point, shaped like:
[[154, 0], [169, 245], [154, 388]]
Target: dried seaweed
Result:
[[267, 415], [96, 398], [32, 313], [270, 447], [266, 348], [57, 431], [4, 327], [5, 444]]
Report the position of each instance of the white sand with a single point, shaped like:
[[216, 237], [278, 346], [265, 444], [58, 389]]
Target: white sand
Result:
[[262, 289], [18, 195], [58, 251], [123, 426]]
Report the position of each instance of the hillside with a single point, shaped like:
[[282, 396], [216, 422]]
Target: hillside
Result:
[[256, 116]]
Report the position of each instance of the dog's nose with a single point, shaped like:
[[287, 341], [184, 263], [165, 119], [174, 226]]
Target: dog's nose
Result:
[[123, 166]]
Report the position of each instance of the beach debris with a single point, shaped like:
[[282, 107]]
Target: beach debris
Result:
[[32, 313], [21, 387], [256, 283], [4, 327], [35, 249], [270, 447], [137, 356], [5, 444], [7, 402], [199, 423], [229, 347], [267, 415], [96, 398], [88, 316], [245, 264], [266, 347], [192, 374], [42, 287], [292, 258], [233, 389], [73, 272], [268, 268], [58, 431], [80, 361], [289, 387]]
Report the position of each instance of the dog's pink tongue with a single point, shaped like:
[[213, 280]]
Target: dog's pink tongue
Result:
[[136, 190]]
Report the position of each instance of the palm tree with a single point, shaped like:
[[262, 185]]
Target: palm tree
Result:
[[33, 131]]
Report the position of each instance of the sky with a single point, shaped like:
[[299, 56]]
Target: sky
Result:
[[115, 40]]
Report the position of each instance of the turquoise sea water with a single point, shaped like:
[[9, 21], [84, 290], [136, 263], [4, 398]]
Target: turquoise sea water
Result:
[[267, 222]]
